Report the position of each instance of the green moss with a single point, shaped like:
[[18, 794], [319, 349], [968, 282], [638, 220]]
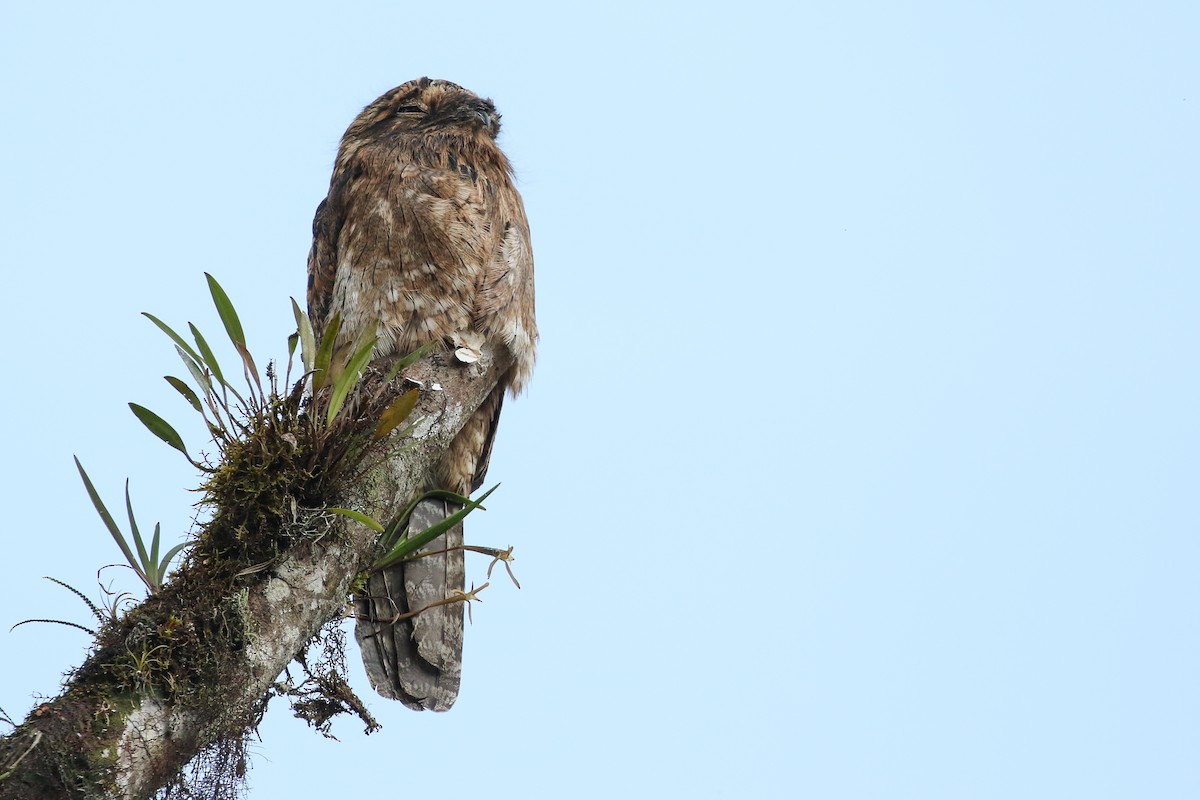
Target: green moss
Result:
[[181, 643]]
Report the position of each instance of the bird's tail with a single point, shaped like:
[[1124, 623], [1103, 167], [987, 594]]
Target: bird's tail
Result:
[[416, 660]]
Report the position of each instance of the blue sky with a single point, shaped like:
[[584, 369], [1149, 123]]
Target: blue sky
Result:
[[861, 457]]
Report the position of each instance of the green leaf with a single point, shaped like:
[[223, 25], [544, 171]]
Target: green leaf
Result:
[[157, 569], [152, 565], [175, 337], [409, 360], [166, 560], [308, 341], [359, 517], [397, 412], [159, 427], [143, 557], [184, 390], [324, 354], [233, 326], [198, 373], [105, 516], [344, 381], [148, 570], [410, 545], [397, 526], [209, 359]]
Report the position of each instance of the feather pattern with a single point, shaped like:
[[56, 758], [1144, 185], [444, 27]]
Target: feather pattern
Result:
[[423, 238]]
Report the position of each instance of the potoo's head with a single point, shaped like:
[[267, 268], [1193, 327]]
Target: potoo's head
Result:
[[425, 105]]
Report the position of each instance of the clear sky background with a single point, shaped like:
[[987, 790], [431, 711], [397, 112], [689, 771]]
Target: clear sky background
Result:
[[861, 459]]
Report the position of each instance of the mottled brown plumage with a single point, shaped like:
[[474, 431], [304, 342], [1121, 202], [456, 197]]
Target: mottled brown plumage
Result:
[[422, 238]]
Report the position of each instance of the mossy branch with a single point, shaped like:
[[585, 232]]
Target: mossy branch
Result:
[[193, 665]]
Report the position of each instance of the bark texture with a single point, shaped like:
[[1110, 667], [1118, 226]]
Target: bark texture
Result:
[[126, 740]]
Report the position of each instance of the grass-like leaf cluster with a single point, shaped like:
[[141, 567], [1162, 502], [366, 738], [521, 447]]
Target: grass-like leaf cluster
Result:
[[268, 441], [228, 419], [148, 566], [396, 545], [275, 446]]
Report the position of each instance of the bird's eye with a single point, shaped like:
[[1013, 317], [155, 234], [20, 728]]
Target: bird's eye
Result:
[[410, 110]]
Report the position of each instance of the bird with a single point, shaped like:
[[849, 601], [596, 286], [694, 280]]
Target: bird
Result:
[[423, 238]]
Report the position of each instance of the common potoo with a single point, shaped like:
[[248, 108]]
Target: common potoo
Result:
[[423, 238]]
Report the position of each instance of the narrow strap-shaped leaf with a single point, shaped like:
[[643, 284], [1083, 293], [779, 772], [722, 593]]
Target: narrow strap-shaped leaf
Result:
[[408, 546], [397, 412], [409, 360], [229, 317], [233, 327], [454, 497], [175, 337], [104, 515], [184, 390], [198, 373], [159, 427], [308, 341], [293, 340], [345, 381], [166, 560], [396, 527], [209, 359], [358, 516], [324, 354], [153, 564], [143, 556]]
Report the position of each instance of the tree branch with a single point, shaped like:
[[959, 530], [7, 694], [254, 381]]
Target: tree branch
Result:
[[190, 666]]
